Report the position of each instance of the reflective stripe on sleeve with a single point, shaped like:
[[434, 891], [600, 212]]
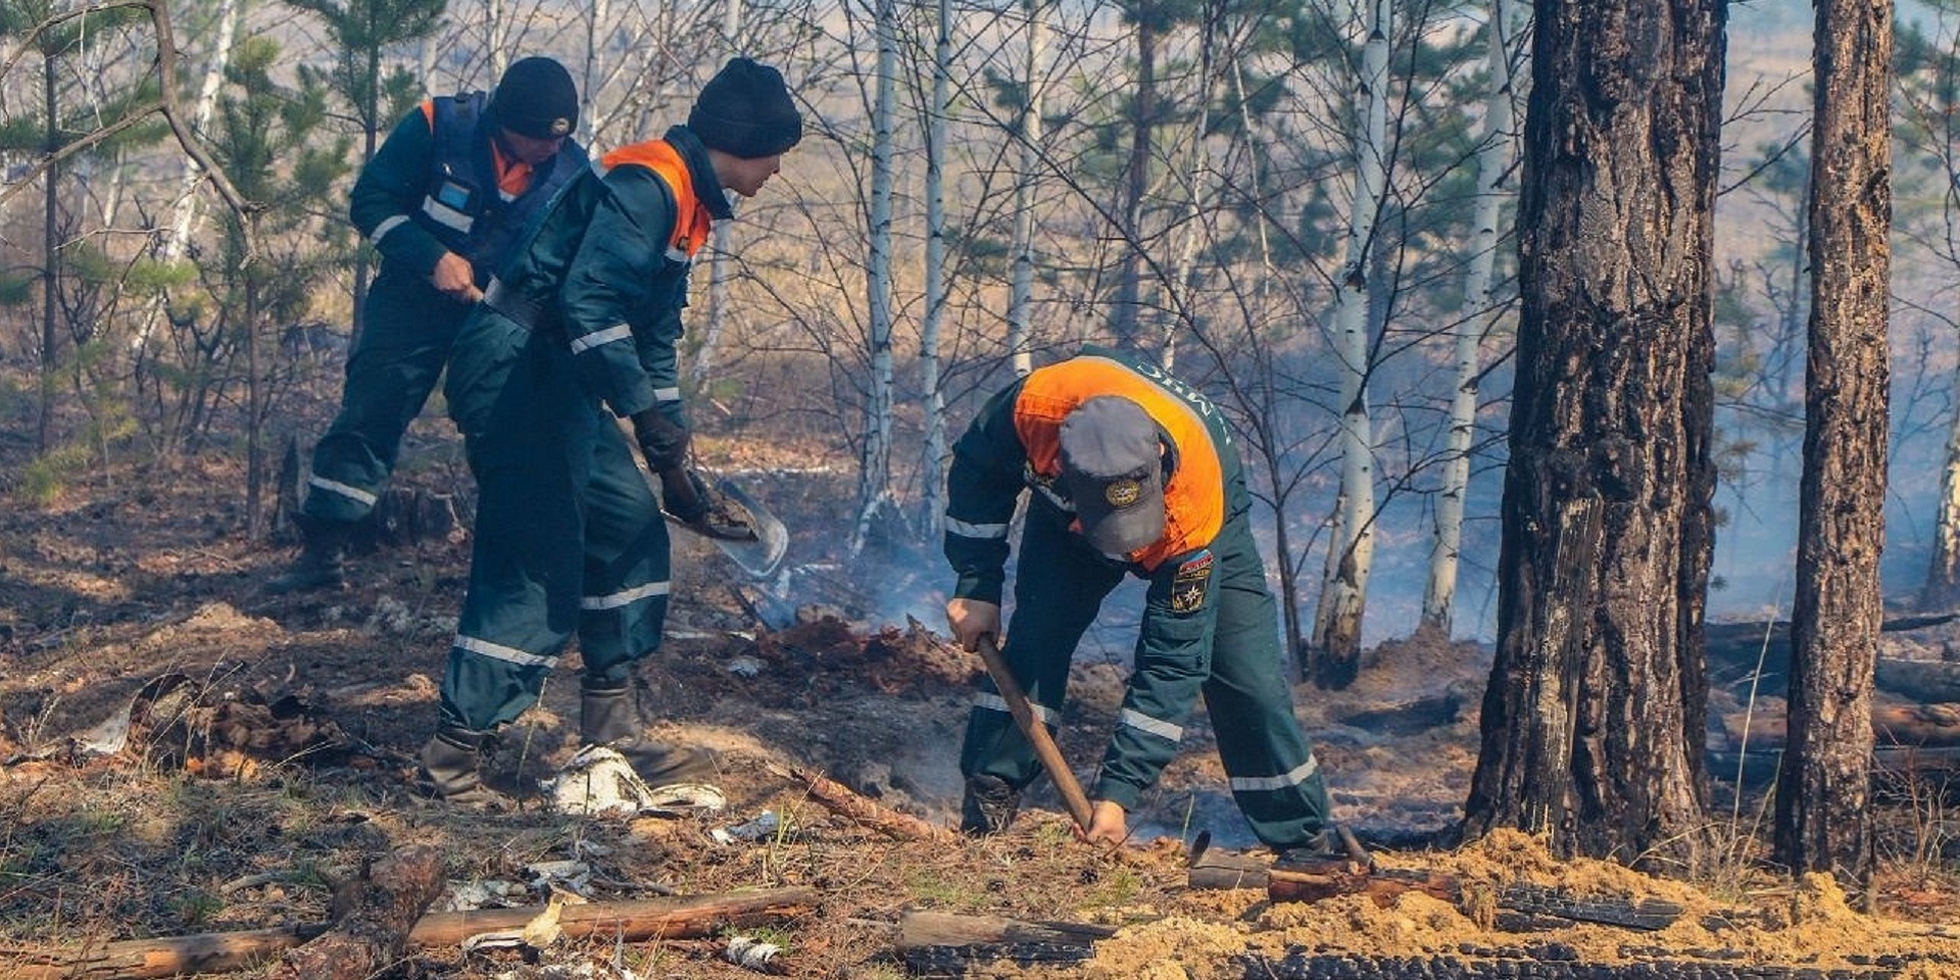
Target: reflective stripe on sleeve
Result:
[[387, 225], [966, 530], [994, 702], [667, 394], [618, 331], [1289, 780], [1154, 726], [335, 486], [498, 651], [623, 598]]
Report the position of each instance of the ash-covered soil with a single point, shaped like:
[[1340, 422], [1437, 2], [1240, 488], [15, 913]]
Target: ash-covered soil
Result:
[[185, 754]]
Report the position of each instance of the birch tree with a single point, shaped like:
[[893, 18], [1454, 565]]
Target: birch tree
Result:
[[1350, 551], [1481, 307], [1928, 86], [720, 260], [1020, 301], [931, 486], [874, 459]]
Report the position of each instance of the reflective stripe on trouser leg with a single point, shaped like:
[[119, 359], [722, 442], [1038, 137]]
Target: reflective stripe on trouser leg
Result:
[[1274, 777], [627, 562], [391, 371], [1057, 592], [530, 436]]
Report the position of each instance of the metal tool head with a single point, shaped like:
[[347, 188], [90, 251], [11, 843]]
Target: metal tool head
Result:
[[760, 555]]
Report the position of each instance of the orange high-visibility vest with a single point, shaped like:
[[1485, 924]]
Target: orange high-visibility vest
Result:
[[691, 218], [1194, 499]]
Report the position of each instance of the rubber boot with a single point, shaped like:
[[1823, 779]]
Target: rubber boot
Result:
[[609, 715], [988, 806], [320, 564], [450, 769]]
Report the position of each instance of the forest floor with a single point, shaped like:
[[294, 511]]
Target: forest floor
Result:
[[184, 754]]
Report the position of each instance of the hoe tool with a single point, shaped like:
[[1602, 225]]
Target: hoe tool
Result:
[[1037, 735]]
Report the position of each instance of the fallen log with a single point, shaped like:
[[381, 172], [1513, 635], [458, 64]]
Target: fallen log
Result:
[[1930, 681], [847, 802], [1733, 652], [633, 921], [1223, 871], [373, 916], [1910, 765], [1304, 883], [948, 943], [1933, 725]]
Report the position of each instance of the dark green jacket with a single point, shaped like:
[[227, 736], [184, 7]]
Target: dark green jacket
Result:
[[607, 265], [386, 204]]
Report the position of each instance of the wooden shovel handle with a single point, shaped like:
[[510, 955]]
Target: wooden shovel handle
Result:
[[1045, 748]]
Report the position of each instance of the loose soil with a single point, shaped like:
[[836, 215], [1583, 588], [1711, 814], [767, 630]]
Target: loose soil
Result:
[[184, 753]]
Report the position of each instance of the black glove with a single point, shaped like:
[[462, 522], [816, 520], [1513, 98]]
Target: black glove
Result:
[[662, 442], [683, 495]]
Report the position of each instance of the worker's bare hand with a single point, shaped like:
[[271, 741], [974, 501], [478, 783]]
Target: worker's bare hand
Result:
[[972, 619], [1108, 824], [454, 278]]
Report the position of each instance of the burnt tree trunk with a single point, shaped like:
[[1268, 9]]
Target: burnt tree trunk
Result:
[[1592, 722], [1821, 821], [1126, 325]]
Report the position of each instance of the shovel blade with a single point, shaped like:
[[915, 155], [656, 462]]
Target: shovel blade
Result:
[[761, 557]]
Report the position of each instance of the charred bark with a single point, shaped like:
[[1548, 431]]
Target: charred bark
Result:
[[1592, 723], [1821, 819]]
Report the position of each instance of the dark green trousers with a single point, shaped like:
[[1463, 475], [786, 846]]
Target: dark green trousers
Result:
[[569, 539], [408, 330], [1225, 649]]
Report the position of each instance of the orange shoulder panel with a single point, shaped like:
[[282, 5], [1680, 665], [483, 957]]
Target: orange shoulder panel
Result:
[[691, 218], [1194, 500]]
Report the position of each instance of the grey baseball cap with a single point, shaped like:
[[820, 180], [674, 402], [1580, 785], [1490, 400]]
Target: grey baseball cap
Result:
[[1113, 467]]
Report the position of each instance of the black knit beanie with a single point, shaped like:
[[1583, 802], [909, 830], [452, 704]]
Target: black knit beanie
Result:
[[536, 98], [745, 111]]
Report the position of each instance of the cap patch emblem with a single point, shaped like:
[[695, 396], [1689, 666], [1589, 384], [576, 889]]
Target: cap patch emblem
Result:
[[560, 126], [1122, 493]]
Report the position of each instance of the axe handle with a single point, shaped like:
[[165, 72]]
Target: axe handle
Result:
[[1037, 735]]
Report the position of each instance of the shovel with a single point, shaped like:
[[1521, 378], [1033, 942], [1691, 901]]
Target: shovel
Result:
[[737, 523]]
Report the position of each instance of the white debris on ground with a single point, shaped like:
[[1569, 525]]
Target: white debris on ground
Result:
[[598, 780]]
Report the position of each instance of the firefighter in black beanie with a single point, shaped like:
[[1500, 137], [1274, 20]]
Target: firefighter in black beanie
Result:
[[583, 324], [443, 200]]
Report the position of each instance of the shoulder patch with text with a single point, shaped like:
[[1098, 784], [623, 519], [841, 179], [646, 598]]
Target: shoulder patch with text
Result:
[[1191, 583]]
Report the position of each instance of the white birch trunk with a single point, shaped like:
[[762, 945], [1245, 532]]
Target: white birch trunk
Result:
[[721, 257], [874, 474], [1350, 552], [598, 17], [1473, 323], [1942, 586], [932, 485], [1020, 301]]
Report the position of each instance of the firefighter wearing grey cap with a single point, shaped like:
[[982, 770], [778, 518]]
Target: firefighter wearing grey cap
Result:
[[442, 201], [1130, 471], [581, 324]]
